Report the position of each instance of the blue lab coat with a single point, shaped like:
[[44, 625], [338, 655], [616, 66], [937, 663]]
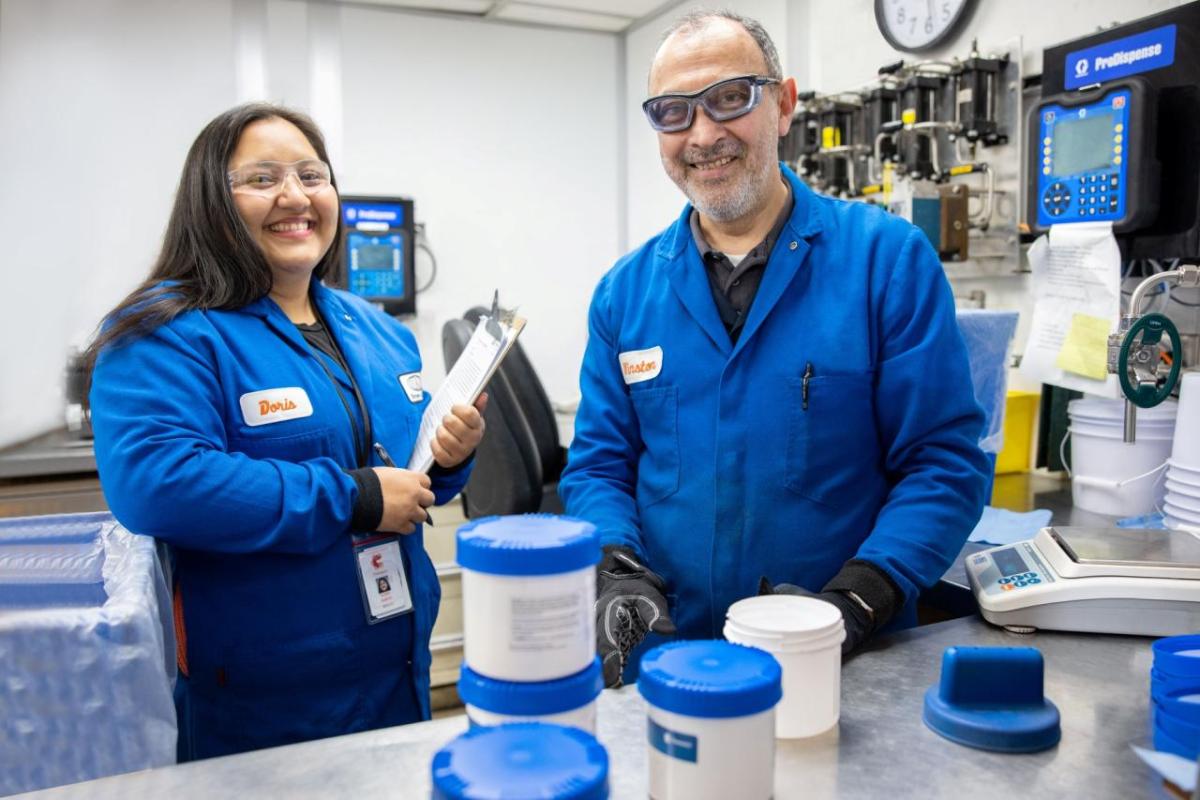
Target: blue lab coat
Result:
[[723, 467], [269, 610]]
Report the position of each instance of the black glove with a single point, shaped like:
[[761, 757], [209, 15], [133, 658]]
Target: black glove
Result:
[[866, 595], [629, 602]]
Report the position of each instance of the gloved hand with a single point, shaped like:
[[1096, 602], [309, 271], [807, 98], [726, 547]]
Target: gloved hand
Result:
[[866, 595], [629, 603], [858, 622]]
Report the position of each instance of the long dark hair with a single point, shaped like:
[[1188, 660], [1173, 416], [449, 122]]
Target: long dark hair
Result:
[[208, 254]]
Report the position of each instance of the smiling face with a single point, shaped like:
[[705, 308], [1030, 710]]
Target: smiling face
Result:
[[294, 229], [726, 169]]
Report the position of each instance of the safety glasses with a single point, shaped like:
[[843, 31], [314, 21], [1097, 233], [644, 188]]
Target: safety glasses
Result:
[[266, 178], [724, 100]]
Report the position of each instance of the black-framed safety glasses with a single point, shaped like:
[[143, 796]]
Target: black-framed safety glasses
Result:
[[724, 100]]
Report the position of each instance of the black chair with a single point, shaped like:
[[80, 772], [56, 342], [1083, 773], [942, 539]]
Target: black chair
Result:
[[519, 461]]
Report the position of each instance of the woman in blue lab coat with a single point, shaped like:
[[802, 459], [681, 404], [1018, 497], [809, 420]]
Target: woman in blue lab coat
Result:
[[237, 404]]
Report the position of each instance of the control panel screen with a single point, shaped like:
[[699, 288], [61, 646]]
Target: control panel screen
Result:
[[376, 262], [1009, 562], [1083, 144], [1083, 160]]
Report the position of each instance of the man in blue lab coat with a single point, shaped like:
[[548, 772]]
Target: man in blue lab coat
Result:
[[775, 390]]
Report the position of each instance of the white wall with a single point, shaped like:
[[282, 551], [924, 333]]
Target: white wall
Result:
[[99, 101], [505, 135]]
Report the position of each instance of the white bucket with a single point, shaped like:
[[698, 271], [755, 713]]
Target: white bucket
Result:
[[1186, 451], [1108, 475], [529, 588], [1186, 502], [710, 709], [569, 701], [805, 635], [1184, 515]]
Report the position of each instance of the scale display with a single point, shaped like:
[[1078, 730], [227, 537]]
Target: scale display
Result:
[[1085, 165]]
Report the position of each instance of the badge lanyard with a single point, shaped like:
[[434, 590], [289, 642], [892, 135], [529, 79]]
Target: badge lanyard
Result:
[[383, 583]]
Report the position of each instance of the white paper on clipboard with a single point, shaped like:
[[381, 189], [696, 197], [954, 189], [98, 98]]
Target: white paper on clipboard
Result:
[[464, 383]]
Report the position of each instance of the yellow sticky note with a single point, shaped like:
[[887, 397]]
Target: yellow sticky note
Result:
[[1085, 350]]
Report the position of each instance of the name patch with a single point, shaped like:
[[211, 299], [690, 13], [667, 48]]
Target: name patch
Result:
[[641, 365], [275, 405], [411, 382]]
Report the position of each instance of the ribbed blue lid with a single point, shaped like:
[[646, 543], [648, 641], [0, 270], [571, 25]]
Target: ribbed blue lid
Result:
[[992, 698], [528, 544], [530, 699], [710, 679], [521, 761], [1178, 656]]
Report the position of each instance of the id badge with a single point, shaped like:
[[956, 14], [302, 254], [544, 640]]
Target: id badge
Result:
[[381, 577]]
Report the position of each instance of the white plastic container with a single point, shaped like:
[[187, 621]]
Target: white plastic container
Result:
[[710, 709], [569, 701], [529, 588], [1109, 475], [805, 636]]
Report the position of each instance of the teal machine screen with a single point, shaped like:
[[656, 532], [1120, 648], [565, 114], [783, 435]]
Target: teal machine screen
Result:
[[378, 247]]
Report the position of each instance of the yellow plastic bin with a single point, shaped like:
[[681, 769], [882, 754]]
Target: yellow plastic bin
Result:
[[1020, 416]]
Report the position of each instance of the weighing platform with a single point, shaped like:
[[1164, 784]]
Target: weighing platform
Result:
[[881, 748], [1100, 579]]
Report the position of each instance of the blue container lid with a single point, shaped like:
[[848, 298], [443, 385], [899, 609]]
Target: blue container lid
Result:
[[1172, 656], [528, 544], [1161, 683], [522, 761], [710, 679], [531, 699], [991, 698], [1165, 742]]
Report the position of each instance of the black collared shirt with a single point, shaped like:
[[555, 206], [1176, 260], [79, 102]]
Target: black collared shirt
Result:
[[734, 287]]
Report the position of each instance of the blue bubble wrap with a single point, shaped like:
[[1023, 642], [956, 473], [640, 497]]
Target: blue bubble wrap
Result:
[[988, 335], [87, 657]]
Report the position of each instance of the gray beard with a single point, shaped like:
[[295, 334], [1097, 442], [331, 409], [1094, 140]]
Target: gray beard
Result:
[[733, 205]]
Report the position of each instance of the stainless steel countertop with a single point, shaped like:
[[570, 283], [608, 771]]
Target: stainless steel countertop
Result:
[[55, 453], [880, 749]]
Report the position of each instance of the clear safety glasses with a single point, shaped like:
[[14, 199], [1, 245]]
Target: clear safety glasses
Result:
[[724, 100], [266, 178]]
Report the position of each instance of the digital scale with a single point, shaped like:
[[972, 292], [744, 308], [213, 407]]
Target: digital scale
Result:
[[1100, 580]]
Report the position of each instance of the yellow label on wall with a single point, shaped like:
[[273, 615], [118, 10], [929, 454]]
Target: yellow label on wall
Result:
[[1085, 350]]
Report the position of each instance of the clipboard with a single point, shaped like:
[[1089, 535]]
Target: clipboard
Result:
[[491, 341]]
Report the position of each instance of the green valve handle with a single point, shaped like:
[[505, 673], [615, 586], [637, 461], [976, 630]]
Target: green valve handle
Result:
[[1152, 327]]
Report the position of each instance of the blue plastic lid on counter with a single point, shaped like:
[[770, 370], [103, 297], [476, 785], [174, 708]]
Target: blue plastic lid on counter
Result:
[[521, 760], [528, 544], [991, 698], [531, 699], [710, 679]]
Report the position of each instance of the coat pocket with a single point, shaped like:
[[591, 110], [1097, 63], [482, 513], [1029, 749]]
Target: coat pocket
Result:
[[658, 464], [291, 447], [831, 439]]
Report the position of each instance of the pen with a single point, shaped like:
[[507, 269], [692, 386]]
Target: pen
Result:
[[387, 462]]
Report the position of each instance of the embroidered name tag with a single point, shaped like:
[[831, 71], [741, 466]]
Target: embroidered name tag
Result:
[[275, 405], [641, 365], [411, 382]]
